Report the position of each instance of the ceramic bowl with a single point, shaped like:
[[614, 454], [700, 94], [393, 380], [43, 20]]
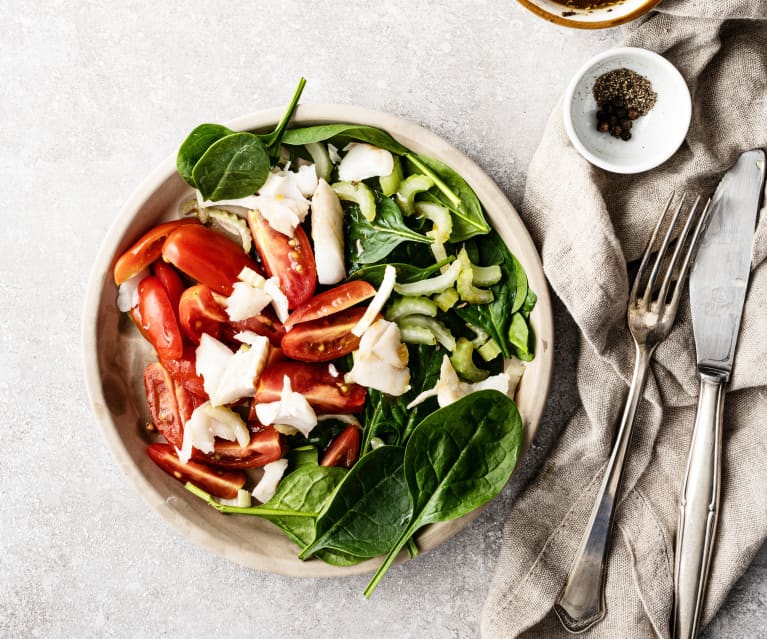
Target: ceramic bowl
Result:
[[594, 18], [115, 354], [655, 136]]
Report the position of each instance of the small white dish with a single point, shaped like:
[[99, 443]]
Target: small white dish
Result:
[[655, 136]]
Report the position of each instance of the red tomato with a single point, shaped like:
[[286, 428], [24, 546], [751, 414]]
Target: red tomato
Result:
[[219, 483], [170, 406], [158, 320], [290, 259], [344, 450], [206, 256], [331, 301], [324, 339], [200, 313], [145, 251], [183, 371], [325, 393], [265, 324], [171, 280], [265, 446]]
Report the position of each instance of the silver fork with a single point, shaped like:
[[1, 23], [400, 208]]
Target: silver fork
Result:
[[581, 603]]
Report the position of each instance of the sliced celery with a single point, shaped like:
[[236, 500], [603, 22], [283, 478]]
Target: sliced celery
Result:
[[462, 361], [446, 299], [360, 193], [322, 163], [409, 188], [438, 329], [416, 335], [440, 218], [390, 183], [432, 285], [486, 275], [465, 283], [489, 350], [409, 305]]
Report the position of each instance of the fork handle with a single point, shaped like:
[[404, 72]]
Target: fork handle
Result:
[[698, 508], [581, 603]]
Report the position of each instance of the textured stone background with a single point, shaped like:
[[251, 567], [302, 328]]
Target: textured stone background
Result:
[[92, 97]]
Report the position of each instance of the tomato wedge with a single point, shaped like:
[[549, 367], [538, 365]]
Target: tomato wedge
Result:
[[325, 393], [206, 256], [331, 301], [158, 319], [183, 371], [265, 324], [344, 450], [170, 406], [200, 313], [219, 483], [171, 280], [265, 446], [146, 250], [290, 259], [324, 339]]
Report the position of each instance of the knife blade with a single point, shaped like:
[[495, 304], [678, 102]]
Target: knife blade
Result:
[[718, 283]]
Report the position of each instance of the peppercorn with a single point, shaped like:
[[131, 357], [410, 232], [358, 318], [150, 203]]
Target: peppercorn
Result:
[[625, 124], [633, 114], [622, 96], [626, 136], [616, 131], [603, 127]]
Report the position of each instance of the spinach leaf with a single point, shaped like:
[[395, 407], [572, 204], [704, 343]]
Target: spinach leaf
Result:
[[272, 140], [454, 193], [520, 293], [194, 147], [529, 303], [388, 417], [324, 132], [320, 436], [520, 337], [406, 273], [309, 488], [369, 509], [458, 458], [369, 242], [233, 167]]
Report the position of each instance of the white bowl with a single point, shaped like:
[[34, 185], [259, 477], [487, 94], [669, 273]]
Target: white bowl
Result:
[[594, 18], [655, 136], [115, 354]]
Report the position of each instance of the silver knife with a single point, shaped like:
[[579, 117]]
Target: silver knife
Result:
[[718, 284]]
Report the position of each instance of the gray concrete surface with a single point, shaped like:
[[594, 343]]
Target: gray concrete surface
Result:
[[92, 97]]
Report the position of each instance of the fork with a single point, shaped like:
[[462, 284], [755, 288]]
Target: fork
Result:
[[581, 603]]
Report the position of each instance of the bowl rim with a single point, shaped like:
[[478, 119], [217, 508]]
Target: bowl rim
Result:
[[638, 166], [115, 241], [566, 21]]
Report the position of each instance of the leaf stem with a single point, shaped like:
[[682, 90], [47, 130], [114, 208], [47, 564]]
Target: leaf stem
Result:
[[446, 190], [259, 511], [390, 557], [275, 137], [412, 548]]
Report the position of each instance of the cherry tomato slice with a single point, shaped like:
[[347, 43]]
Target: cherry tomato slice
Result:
[[206, 256], [171, 280], [183, 371], [200, 313], [158, 320], [145, 251], [290, 259], [265, 446], [219, 483], [331, 301], [344, 450], [170, 406], [324, 339], [325, 393], [265, 324]]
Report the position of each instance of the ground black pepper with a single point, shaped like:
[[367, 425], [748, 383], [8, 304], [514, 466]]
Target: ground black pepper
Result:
[[622, 96]]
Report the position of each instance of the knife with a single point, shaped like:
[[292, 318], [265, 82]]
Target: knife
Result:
[[718, 284]]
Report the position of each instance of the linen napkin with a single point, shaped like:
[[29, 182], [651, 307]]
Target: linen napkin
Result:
[[588, 224]]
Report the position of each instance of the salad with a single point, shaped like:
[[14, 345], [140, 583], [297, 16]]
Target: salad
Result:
[[338, 332]]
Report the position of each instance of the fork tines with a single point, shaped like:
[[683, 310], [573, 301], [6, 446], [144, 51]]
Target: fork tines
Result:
[[683, 242]]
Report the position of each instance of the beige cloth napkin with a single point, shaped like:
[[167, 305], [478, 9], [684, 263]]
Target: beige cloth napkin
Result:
[[588, 224]]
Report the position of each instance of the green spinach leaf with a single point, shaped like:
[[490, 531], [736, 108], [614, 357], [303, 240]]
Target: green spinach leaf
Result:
[[343, 133], [520, 337], [457, 459], [406, 273], [454, 193], [233, 167], [368, 242], [194, 147], [369, 509]]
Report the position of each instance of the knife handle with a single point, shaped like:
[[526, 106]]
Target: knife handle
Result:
[[698, 508]]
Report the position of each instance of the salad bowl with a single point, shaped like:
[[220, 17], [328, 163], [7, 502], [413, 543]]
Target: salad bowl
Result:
[[115, 354]]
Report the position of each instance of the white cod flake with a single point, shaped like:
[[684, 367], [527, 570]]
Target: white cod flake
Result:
[[267, 485], [292, 409], [363, 161], [381, 360], [208, 422]]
